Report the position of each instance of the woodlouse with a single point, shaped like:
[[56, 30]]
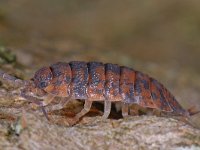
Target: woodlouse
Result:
[[95, 81]]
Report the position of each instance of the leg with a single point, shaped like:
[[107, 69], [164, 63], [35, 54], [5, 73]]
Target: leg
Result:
[[149, 111], [58, 106], [107, 109], [134, 110], [157, 112], [124, 110], [35, 101], [85, 110], [48, 99]]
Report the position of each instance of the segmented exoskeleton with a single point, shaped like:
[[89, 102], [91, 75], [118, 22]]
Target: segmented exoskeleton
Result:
[[95, 81]]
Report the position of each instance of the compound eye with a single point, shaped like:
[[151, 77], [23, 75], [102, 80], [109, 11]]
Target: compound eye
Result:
[[43, 77], [43, 84]]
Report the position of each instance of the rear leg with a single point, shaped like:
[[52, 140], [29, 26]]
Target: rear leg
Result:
[[107, 109], [157, 112], [134, 110], [150, 111], [125, 110]]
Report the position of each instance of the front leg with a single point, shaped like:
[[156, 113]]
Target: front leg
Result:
[[35, 101], [85, 110], [58, 106], [48, 99]]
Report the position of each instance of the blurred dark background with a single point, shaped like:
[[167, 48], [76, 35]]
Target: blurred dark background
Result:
[[156, 31], [161, 38]]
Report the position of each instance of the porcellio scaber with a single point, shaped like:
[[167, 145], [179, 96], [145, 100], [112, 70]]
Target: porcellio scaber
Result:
[[95, 81]]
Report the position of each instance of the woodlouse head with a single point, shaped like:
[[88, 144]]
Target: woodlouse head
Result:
[[54, 79], [30, 89], [43, 77]]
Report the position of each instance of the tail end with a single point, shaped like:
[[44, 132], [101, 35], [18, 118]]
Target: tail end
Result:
[[193, 111]]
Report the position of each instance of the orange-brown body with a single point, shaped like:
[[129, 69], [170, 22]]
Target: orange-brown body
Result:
[[95, 81]]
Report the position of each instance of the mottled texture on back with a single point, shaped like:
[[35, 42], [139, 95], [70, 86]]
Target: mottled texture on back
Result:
[[175, 106], [96, 82], [158, 96], [112, 82], [127, 81], [61, 79], [79, 79], [143, 90]]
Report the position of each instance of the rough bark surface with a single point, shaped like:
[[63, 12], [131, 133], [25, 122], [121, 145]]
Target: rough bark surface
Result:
[[33, 132]]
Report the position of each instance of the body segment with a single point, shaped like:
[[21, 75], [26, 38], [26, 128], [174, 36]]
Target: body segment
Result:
[[78, 86], [127, 85], [96, 81], [112, 75]]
